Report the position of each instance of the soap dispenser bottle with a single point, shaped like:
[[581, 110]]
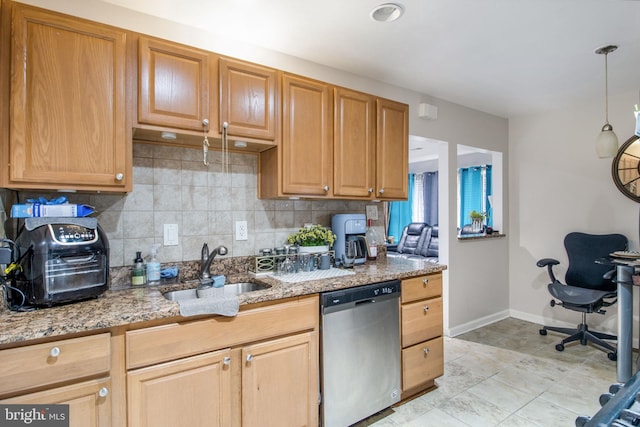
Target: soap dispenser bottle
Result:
[[153, 266], [138, 274]]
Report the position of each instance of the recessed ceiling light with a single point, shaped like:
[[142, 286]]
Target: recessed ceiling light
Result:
[[387, 12]]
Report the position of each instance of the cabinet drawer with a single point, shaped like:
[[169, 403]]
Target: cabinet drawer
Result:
[[43, 364], [422, 362], [422, 287], [421, 321], [169, 342]]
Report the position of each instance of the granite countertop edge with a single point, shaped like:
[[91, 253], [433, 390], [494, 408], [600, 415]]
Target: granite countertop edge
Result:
[[124, 307]]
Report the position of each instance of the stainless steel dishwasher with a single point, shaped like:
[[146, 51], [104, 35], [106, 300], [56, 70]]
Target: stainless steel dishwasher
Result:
[[360, 347]]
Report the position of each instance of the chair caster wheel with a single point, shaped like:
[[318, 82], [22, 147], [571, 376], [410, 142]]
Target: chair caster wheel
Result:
[[612, 356], [560, 347], [543, 331]]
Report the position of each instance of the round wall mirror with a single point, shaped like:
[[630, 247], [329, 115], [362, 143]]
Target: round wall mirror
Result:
[[625, 169]]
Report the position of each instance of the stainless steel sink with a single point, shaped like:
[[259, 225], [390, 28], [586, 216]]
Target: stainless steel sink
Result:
[[228, 289]]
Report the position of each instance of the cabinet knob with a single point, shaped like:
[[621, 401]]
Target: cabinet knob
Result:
[[54, 352], [325, 188], [370, 190], [425, 281], [381, 191], [205, 123], [426, 308], [227, 360], [425, 351], [103, 392], [119, 177], [249, 357]]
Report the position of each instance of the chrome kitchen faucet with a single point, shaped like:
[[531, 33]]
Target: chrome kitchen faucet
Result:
[[206, 259]]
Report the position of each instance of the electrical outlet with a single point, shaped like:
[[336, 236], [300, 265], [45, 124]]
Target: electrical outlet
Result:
[[241, 230], [372, 212]]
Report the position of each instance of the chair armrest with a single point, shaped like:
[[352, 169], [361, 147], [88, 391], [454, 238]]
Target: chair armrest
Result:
[[392, 248], [549, 263]]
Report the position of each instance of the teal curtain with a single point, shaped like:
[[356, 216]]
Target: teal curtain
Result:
[[489, 191], [470, 193], [400, 213]]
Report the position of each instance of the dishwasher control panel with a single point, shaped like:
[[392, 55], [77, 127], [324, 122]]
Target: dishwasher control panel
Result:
[[360, 293]]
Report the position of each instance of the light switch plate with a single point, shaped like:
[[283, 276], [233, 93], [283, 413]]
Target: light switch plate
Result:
[[171, 235], [372, 212]]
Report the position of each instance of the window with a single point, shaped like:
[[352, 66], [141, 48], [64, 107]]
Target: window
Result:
[[475, 193]]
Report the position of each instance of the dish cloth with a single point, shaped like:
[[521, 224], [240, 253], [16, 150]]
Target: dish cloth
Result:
[[222, 305]]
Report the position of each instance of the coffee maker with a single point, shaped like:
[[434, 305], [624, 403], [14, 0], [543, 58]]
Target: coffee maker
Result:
[[350, 227]]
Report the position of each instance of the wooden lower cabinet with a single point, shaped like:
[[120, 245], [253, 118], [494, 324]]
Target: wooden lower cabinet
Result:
[[89, 402], [266, 374], [280, 382], [195, 392], [421, 333]]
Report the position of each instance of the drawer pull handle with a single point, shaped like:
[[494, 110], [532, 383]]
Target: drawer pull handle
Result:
[[426, 351], [54, 352], [249, 358], [103, 392], [426, 308], [227, 360], [425, 281]]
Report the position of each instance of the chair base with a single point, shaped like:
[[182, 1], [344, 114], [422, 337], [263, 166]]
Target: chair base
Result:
[[584, 335]]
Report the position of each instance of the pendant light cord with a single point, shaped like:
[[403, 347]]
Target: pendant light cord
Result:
[[606, 88]]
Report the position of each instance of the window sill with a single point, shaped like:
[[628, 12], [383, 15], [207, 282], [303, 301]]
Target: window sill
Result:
[[481, 236]]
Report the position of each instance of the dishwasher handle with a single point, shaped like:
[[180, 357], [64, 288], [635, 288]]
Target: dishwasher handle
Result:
[[367, 293]]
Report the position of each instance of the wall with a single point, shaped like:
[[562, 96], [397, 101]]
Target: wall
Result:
[[476, 283], [561, 187]]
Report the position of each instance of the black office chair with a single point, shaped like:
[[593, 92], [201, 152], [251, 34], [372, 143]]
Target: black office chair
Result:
[[589, 286]]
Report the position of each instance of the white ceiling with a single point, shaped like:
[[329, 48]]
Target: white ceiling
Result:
[[505, 57]]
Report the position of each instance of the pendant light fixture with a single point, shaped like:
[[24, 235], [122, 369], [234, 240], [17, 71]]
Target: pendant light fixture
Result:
[[607, 142]]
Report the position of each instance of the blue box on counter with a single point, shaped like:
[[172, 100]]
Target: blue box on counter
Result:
[[31, 210]]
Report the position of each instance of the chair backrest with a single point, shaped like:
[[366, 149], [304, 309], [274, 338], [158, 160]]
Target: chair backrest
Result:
[[583, 250], [413, 237], [430, 247]]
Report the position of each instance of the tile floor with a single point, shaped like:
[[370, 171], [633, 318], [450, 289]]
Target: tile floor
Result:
[[508, 375]]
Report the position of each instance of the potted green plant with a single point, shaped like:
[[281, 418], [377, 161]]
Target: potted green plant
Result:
[[477, 220], [313, 238]]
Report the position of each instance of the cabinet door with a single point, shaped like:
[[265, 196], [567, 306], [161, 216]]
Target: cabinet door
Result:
[[421, 320], [354, 144], [173, 85], [422, 363], [67, 107], [280, 382], [89, 402], [392, 150], [248, 99], [194, 392], [306, 137]]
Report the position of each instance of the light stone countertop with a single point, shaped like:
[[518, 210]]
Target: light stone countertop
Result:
[[129, 306]]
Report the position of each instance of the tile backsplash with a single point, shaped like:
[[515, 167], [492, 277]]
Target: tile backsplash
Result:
[[171, 185]]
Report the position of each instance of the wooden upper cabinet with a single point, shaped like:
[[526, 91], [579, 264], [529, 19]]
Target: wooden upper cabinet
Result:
[[248, 99], [173, 85], [67, 127], [354, 144], [306, 147], [392, 149]]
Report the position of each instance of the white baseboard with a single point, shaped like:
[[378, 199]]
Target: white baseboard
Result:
[[477, 323]]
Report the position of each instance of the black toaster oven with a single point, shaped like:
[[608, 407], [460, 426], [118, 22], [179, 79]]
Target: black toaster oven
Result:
[[62, 260]]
